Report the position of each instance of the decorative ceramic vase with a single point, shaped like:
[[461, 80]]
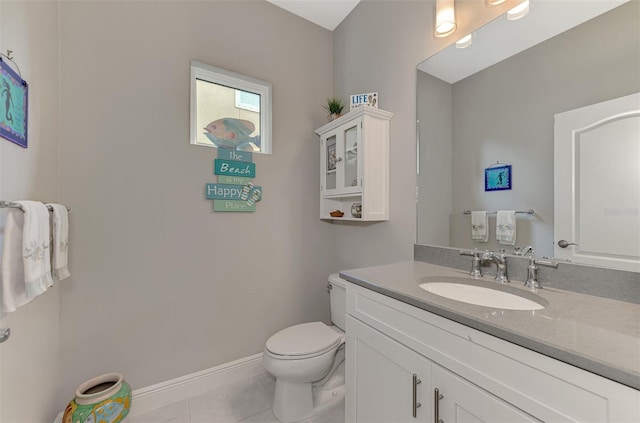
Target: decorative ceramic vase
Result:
[[106, 398], [333, 116]]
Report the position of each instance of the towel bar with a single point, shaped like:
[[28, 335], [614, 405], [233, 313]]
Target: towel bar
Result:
[[530, 211], [12, 205]]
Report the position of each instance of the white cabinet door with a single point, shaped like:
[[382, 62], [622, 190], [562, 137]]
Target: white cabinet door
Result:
[[463, 402], [380, 378], [341, 168]]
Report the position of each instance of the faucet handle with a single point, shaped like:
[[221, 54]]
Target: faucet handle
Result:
[[543, 262], [474, 253], [476, 270], [532, 271], [517, 251]]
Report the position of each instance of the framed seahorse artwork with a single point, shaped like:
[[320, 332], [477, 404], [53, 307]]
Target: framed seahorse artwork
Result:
[[14, 96], [497, 178]]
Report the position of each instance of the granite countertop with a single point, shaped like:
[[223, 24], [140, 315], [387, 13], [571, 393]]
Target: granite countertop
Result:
[[596, 334]]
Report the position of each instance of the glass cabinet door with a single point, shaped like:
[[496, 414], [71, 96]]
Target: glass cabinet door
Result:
[[331, 162], [341, 168], [350, 139]]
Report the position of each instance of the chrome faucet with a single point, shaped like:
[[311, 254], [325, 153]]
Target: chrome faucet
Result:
[[501, 265], [476, 270], [518, 252], [532, 272]]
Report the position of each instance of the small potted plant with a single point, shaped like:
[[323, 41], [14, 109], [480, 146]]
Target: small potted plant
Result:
[[334, 107]]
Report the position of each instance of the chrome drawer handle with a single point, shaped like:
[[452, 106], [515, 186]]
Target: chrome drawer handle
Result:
[[437, 396], [416, 404]]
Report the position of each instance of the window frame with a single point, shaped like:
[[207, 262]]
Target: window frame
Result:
[[215, 75]]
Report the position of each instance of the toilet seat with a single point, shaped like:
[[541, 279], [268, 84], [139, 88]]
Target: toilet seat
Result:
[[303, 341]]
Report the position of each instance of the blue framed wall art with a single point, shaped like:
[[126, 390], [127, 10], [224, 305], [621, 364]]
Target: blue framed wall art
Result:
[[497, 178], [14, 96]]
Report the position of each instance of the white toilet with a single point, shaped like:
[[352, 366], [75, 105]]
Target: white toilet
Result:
[[303, 354]]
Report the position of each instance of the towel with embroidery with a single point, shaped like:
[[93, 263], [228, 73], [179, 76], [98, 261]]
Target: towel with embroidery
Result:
[[26, 263], [506, 227], [479, 226], [59, 242]]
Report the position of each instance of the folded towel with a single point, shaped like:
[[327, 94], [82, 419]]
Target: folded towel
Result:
[[479, 226], [60, 242], [506, 227], [13, 292], [26, 265]]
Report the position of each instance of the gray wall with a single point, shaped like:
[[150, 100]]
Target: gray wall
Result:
[[161, 285], [434, 179], [29, 360], [506, 113], [377, 48]]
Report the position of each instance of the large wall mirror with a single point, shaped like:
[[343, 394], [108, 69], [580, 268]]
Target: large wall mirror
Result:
[[495, 101]]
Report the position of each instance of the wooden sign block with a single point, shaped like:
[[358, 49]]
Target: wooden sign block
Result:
[[233, 168], [236, 180], [232, 206], [231, 192], [239, 156]]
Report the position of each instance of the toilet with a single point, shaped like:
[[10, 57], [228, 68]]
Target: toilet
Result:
[[305, 355]]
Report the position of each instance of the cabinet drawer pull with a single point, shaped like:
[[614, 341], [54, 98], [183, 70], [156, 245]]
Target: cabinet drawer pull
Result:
[[416, 404], [437, 396]]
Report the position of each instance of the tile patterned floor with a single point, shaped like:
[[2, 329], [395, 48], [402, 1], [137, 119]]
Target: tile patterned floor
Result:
[[245, 401]]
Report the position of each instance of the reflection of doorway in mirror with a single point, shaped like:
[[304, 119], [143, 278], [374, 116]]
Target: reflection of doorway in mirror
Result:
[[597, 188]]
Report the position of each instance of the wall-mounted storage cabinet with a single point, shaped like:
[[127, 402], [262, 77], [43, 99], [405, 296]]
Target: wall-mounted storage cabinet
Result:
[[354, 165]]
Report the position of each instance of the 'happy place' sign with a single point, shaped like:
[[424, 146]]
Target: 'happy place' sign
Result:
[[235, 191]]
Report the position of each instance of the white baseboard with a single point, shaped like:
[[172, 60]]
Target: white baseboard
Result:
[[181, 388]]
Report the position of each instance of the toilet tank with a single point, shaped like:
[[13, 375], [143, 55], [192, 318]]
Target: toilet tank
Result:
[[338, 293]]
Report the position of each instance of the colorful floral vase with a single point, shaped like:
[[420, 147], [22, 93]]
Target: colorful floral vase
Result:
[[103, 399]]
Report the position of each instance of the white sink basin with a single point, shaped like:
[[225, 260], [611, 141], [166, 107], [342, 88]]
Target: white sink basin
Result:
[[480, 295]]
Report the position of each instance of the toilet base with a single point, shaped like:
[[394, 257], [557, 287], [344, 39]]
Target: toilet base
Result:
[[292, 401], [315, 399]]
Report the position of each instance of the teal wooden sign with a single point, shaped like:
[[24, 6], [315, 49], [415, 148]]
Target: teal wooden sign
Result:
[[235, 180], [231, 192], [233, 168], [234, 191], [232, 206], [239, 156]]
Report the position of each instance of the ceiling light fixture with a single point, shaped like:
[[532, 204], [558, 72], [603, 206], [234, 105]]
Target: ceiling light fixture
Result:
[[445, 18], [465, 41], [519, 11], [494, 2]]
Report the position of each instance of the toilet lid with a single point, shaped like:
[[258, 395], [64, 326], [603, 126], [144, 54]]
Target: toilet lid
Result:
[[304, 339]]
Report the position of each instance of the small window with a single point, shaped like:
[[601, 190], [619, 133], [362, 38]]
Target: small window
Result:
[[229, 110]]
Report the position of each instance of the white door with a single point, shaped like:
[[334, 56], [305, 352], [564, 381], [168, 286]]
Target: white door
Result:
[[460, 401], [597, 184], [381, 377]]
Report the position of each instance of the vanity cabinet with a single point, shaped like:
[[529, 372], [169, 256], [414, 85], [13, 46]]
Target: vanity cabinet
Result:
[[481, 378], [354, 165], [395, 384], [385, 373]]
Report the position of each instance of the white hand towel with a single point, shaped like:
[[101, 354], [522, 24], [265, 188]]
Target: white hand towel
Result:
[[35, 247], [506, 227], [479, 226], [26, 265], [60, 242], [14, 291]]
